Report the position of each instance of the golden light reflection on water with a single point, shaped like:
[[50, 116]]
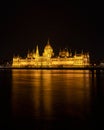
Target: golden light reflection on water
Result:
[[45, 93]]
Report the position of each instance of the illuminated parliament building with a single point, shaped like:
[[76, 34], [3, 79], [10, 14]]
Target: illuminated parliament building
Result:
[[64, 59]]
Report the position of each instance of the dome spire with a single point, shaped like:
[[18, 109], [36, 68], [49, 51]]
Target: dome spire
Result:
[[48, 42]]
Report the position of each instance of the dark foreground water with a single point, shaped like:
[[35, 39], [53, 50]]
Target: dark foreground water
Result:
[[51, 99]]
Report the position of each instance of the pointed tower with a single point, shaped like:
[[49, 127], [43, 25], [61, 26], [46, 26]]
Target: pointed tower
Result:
[[37, 52], [28, 54], [33, 54], [67, 53], [70, 53]]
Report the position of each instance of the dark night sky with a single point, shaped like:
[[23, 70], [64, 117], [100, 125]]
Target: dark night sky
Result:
[[73, 25]]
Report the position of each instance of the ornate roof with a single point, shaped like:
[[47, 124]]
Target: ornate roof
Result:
[[48, 46]]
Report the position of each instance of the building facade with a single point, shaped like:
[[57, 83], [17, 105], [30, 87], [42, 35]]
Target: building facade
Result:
[[48, 59]]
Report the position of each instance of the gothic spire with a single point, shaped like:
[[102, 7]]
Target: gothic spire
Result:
[[37, 51]]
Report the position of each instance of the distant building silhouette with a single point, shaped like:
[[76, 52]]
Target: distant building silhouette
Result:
[[64, 59]]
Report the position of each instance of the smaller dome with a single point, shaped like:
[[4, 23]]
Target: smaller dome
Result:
[[64, 53]]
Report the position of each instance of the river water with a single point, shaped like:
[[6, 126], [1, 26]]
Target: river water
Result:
[[51, 99]]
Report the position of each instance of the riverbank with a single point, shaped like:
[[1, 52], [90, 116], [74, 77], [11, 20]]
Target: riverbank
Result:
[[52, 68]]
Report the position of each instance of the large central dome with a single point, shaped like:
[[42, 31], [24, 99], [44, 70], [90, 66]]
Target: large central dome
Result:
[[48, 46], [48, 51]]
